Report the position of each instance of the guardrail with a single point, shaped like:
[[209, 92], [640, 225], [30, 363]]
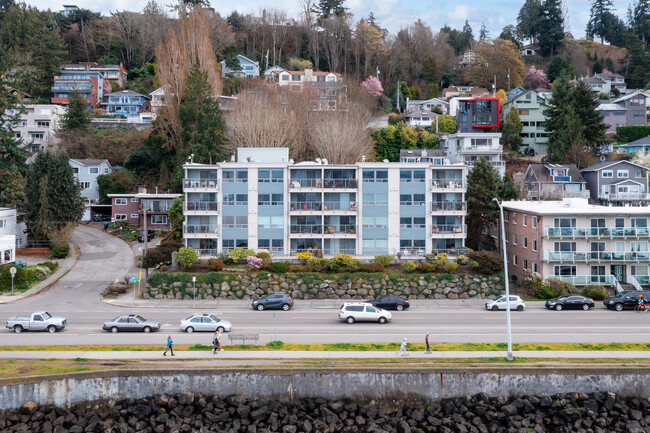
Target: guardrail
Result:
[[448, 205], [202, 205], [583, 280], [207, 228], [199, 183], [581, 232], [448, 229], [447, 183], [600, 256]]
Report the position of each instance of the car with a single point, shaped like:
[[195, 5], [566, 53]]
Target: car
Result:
[[529, 151], [131, 322], [98, 217], [38, 321], [516, 303], [277, 301], [150, 235], [204, 322], [625, 300], [363, 312], [568, 302], [390, 302]]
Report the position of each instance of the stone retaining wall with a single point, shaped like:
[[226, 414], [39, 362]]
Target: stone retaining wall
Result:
[[230, 285]]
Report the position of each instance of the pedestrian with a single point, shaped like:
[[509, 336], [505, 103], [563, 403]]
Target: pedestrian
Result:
[[215, 342], [402, 349], [426, 340], [219, 339], [170, 346]]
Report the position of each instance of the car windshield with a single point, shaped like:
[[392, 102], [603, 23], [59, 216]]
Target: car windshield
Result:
[[620, 295], [140, 318], [562, 297], [188, 318], [46, 315], [500, 298], [214, 318]]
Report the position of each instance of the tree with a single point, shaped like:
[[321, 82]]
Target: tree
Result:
[[558, 66], [503, 96], [482, 212], [599, 20], [536, 79], [109, 184], [507, 188], [551, 32], [585, 103], [467, 30], [529, 20], [78, 115], [327, 8], [511, 33], [557, 119], [447, 123], [431, 73], [187, 256], [12, 153], [433, 91], [499, 59], [373, 86], [483, 33], [12, 189], [640, 20], [175, 215], [512, 128], [391, 139]]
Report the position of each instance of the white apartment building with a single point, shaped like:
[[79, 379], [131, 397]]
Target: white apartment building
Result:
[[7, 235], [468, 147], [38, 125], [264, 200]]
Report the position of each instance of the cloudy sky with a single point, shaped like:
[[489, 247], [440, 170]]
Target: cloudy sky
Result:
[[391, 14]]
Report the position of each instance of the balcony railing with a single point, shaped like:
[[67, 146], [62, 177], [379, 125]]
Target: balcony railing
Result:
[[412, 252], [305, 183], [624, 196], [597, 256], [202, 228], [199, 183], [583, 280], [642, 279], [452, 252], [306, 205], [205, 252], [448, 229], [334, 252], [448, 205], [306, 228], [337, 205], [201, 205], [582, 232], [340, 228], [340, 183], [447, 183]]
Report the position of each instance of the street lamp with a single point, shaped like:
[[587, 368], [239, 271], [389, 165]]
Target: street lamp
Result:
[[505, 270], [194, 286]]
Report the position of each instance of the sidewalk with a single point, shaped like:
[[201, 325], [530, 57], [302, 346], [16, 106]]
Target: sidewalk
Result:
[[64, 268], [280, 354]]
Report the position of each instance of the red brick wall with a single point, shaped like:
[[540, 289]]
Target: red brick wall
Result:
[[525, 236], [128, 209]]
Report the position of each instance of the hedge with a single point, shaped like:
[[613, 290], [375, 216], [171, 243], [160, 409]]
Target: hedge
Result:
[[633, 133]]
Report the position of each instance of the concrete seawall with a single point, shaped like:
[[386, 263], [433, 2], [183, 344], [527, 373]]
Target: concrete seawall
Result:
[[361, 385]]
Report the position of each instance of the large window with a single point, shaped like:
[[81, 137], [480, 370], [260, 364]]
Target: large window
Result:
[[240, 176], [235, 222], [375, 175], [412, 222], [375, 222], [375, 199], [411, 176], [270, 199], [565, 271], [158, 219], [275, 176], [120, 201], [270, 222]]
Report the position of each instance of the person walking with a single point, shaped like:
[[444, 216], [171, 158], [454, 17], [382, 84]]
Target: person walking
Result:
[[402, 349], [216, 344], [170, 346], [426, 340], [219, 340]]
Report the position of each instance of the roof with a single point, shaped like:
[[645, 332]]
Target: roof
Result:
[[160, 89], [607, 164], [421, 113], [639, 142], [90, 162], [531, 46], [514, 98], [595, 80], [418, 153], [609, 76], [313, 72], [542, 172], [628, 96], [572, 206], [422, 101], [610, 107], [127, 93]]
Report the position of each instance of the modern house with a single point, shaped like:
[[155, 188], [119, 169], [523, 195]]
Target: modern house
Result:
[[532, 108], [113, 73], [471, 91], [515, 91], [38, 125], [428, 104], [529, 50], [430, 156], [131, 207], [264, 200], [573, 241], [89, 83], [618, 183], [7, 235], [86, 172], [635, 108], [640, 145], [247, 68], [126, 103], [553, 182], [614, 115]]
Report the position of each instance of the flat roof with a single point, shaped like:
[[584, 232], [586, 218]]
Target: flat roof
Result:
[[573, 206]]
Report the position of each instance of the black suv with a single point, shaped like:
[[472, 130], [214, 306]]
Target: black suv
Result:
[[625, 300], [529, 151], [150, 235], [277, 300]]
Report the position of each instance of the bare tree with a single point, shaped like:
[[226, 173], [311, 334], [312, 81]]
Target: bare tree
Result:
[[156, 22], [127, 25], [221, 34], [310, 25]]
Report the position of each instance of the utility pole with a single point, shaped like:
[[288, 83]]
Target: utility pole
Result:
[[508, 78], [146, 239], [505, 272], [397, 97]]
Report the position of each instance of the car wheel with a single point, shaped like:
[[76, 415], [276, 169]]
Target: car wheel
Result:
[[189, 329], [114, 329], [51, 329], [400, 307], [585, 307], [350, 320], [382, 320], [221, 329], [260, 307], [146, 330], [618, 307], [558, 307], [520, 308], [495, 308], [18, 329], [286, 307]]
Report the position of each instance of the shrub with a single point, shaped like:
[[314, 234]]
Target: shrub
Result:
[[533, 283], [266, 262], [59, 251], [632, 133], [238, 254], [254, 262], [163, 268], [372, 267], [410, 266], [342, 259], [354, 265], [263, 255], [430, 257], [473, 263], [187, 256], [297, 269], [561, 287], [279, 267], [121, 224], [595, 292], [216, 265], [488, 262], [451, 267], [317, 265], [384, 259], [428, 267], [333, 267], [41, 272], [546, 292], [20, 279], [304, 257], [50, 265], [442, 258], [462, 260]]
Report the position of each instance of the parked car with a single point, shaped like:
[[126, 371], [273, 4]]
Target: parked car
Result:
[[529, 151], [279, 300], [568, 302], [390, 302], [97, 217], [625, 300], [204, 322], [516, 303], [363, 312], [150, 235], [38, 321], [131, 322]]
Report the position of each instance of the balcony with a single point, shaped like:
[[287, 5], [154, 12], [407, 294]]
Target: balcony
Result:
[[205, 253], [305, 183], [330, 252], [208, 206], [448, 206], [340, 229], [624, 196], [337, 205], [200, 231], [447, 185], [305, 229], [596, 256], [596, 232], [195, 184], [583, 280], [306, 206], [340, 183], [448, 229]]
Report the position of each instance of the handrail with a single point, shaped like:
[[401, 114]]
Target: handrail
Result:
[[601, 256], [618, 287], [613, 232], [635, 283]]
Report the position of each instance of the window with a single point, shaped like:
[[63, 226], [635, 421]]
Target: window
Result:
[[3, 224], [524, 219], [524, 112], [264, 199], [228, 199], [85, 185], [36, 136], [295, 77], [638, 174], [105, 170], [507, 236], [93, 170], [525, 242], [608, 173], [240, 176], [565, 271], [43, 123], [120, 201], [514, 239], [534, 222], [405, 199], [375, 222], [135, 200], [535, 267], [506, 216], [624, 174], [120, 216], [135, 216], [525, 264], [275, 176], [514, 259], [158, 219], [514, 218], [534, 244], [375, 175], [418, 199], [241, 200]]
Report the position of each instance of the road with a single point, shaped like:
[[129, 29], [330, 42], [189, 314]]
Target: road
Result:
[[105, 258]]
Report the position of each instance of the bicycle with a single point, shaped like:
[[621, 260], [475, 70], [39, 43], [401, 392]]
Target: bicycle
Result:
[[642, 306]]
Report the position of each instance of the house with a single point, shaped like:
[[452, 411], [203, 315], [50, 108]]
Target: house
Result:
[[132, 207], [433, 156], [273, 70], [606, 83], [38, 125], [263, 200], [113, 73], [510, 94], [89, 83], [419, 117], [158, 98], [472, 91], [532, 108], [598, 85], [247, 68], [573, 241], [428, 104], [23, 97], [553, 182], [529, 50], [640, 145], [86, 172], [69, 9], [7, 235], [635, 107], [618, 183], [614, 115], [298, 78], [469, 59], [126, 103]]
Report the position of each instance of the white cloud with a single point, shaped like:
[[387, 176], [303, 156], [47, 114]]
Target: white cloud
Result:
[[462, 13]]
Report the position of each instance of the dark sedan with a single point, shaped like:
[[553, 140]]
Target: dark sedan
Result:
[[150, 235], [391, 302], [278, 301], [570, 302]]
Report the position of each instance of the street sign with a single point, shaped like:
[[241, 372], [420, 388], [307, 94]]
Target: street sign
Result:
[[134, 279], [12, 271]]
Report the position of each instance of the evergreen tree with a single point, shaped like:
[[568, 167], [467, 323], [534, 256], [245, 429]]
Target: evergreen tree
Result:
[[559, 66], [483, 33], [4, 6], [640, 15], [467, 30], [482, 212], [433, 91], [12, 152], [512, 128], [430, 72], [599, 19], [507, 188], [551, 32], [12, 189], [78, 114], [556, 118], [585, 102], [510, 33], [327, 8], [529, 19]]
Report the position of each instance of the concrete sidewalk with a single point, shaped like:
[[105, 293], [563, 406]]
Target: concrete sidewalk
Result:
[[284, 354]]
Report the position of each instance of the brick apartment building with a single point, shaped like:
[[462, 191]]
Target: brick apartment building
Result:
[[130, 207]]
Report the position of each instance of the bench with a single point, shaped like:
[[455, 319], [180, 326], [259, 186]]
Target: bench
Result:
[[243, 337]]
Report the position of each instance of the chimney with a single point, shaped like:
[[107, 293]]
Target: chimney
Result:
[[142, 189], [308, 74]]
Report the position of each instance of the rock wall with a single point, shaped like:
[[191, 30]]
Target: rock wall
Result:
[[229, 285]]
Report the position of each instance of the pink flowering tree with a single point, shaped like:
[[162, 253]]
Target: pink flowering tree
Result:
[[373, 86], [606, 71], [254, 262], [536, 78]]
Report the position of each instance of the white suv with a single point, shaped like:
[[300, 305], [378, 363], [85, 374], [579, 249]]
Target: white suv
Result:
[[516, 303], [362, 311]]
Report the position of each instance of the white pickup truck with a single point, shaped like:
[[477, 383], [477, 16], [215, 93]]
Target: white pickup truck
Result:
[[38, 321]]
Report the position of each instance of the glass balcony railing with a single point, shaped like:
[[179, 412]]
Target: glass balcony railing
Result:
[[202, 205], [583, 280], [306, 205], [199, 183], [599, 256], [448, 205], [306, 228], [581, 232], [201, 228], [333, 252], [447, 183], [340, 183], [448, 229], [305, 183], [206, 252]]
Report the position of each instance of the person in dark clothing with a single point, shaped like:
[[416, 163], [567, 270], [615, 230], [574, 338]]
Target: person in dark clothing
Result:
[[170, 346], [426, 340]]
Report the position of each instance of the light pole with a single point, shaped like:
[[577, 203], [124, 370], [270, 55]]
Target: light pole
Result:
[[194, 286], [12, 271], [505, 276]]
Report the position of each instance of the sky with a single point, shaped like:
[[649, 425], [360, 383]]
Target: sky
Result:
[[390, 14]]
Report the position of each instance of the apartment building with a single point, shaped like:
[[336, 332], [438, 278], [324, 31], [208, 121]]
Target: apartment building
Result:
[[7, 235], [264, 200], [571, 240], [89, 83], [130, 207], [38, 125], [113, 73]]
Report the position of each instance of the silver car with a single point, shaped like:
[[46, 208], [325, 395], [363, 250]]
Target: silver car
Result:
[[204, 322], [131, 322]]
